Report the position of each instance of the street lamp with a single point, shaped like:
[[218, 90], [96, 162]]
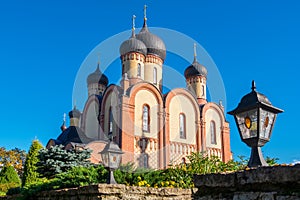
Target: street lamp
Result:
[[111, 158], [255, 117]]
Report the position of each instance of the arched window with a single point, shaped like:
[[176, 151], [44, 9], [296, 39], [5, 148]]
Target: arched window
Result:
[[154, 75], [110, 121], [146, 118], [139, 70], [213, 132], [182, 125]]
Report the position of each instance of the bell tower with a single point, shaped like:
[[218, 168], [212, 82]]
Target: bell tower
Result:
[[195, 76], [133, 54], [156, 54]]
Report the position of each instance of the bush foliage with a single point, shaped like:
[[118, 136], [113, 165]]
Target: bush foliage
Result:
[[56, 160], [80, 176], [175, 176], [179, 176]]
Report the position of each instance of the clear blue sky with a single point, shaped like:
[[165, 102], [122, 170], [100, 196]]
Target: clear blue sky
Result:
[[43, 44]]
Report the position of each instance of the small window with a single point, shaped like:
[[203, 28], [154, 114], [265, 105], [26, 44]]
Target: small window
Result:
[[203, 90], [182, 125], [145, 161], [146, 118], [110, 122], [139, 70], [154, 75], [213, 132]]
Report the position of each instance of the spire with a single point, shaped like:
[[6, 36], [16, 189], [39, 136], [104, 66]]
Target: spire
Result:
[[133, 26], [74, 103], [195, 52], [253, 86], [98, 63]]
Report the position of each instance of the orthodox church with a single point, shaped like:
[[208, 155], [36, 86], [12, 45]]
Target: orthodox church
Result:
[[153, 129]]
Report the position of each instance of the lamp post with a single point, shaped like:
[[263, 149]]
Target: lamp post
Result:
[[255, 117], [111, 158]]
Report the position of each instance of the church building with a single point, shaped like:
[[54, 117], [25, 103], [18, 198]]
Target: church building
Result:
[[153, 129]]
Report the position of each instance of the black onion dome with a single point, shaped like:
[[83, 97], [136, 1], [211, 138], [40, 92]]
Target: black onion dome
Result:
[[74, 113], [97, 77], [133, 45], [154, 44], [195, 69]]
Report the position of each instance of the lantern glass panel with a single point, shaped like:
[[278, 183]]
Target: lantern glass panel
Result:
[[266, 123], [105, 159], [247, 123], [114, 160]]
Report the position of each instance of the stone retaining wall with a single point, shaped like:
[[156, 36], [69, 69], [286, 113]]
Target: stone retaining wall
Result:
[[114, 192], [278, 183]]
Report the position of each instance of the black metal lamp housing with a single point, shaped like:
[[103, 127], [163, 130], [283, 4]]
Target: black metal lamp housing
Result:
[[255, 117]]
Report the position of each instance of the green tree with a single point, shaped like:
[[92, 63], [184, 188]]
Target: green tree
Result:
[[9, 175], [14, 157], [9, 179], [56, 160], [31, 174]]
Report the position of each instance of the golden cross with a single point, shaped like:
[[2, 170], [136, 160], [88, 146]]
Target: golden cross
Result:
[[195, 51], [133, 22], [145, 12]]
